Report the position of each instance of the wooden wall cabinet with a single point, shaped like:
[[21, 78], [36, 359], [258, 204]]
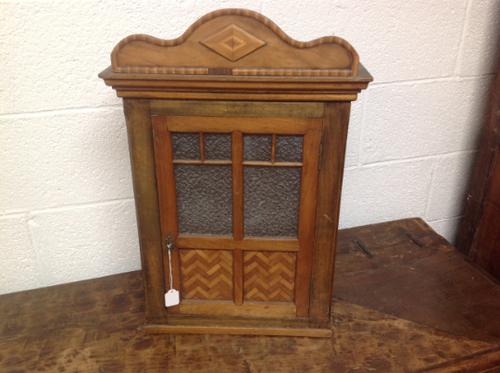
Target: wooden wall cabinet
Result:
[[237, 136]]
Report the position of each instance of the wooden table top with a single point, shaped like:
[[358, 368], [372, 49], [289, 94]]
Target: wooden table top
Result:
[[404, 300]]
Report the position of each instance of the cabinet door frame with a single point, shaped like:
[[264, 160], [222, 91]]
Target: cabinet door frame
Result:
[[303, 245], [139, 113]]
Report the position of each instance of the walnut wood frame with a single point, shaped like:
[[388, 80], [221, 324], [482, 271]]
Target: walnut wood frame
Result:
[[302, 246], [311, 90]]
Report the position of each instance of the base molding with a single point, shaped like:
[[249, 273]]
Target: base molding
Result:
[[238, 330]]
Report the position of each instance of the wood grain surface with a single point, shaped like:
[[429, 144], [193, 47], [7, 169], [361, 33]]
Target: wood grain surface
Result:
[[407, 301]]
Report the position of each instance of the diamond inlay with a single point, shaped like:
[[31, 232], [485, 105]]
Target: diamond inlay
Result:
[[233, 43]]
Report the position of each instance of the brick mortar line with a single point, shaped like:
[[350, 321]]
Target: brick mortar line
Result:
[[30, 213], [461, 41], [411, 159]]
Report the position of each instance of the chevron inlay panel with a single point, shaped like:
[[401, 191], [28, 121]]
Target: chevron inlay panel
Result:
[[269, 276], [206, 274]]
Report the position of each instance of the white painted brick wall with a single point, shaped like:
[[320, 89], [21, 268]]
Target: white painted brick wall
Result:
[[66, 202]]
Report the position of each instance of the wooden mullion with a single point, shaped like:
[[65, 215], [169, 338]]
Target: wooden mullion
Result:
[[216, 162], [272, 164], [202, 147], [237, 157], [273, 148], [247, 244]]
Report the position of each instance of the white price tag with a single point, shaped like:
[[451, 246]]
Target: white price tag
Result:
[[172, 298]]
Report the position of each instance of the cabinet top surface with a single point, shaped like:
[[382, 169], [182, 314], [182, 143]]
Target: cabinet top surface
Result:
[[235, 49]]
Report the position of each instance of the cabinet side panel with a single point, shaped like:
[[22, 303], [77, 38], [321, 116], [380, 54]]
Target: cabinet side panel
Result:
[[331, 166], [140, 137]]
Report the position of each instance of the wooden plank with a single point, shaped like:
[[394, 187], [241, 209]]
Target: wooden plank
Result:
[[329, 190], [272, 164], [214, 162], [311, 147], [431, 285], [142, 159], [222, 243], [241, 330], [290, 126], [295, 96], [237, 108], [249, 309], [237, 174], [167, 199]]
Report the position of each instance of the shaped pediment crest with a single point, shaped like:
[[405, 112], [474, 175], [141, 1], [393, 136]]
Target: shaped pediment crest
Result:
[[235, 42]]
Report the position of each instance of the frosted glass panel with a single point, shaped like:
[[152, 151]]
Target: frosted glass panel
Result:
[[204, 199], [186, 145], [257, 147], [271, 200], [289, 148], [217, 146]]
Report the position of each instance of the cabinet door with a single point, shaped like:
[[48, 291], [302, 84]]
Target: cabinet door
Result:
[[238, 199]]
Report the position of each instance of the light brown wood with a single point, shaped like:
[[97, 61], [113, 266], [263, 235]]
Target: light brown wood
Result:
[[282, 310], [166, 186], [230, 35], [263, 269], [215, 162], [140, 139], [281, 126], [237, 109], [224, 243], [265, 95], [237, 174], [273, 150], [307, 218], [236, 72], [272, 164], [329, 187], [202, 147]]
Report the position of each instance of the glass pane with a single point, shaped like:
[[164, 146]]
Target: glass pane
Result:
[[186, 145], [204, 201], [257, 147], [271, 200], [289, 148], [218, 146]]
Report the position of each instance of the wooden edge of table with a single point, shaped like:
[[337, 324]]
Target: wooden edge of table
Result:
[[482, 361], [238, 330]]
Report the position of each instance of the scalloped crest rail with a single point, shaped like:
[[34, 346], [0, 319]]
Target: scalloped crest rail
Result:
[[239, 42], [253, 229]]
